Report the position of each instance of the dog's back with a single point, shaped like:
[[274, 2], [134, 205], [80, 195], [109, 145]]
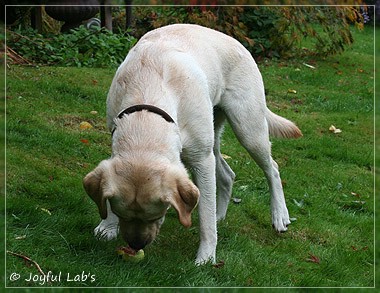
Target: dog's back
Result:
[[189, 60]]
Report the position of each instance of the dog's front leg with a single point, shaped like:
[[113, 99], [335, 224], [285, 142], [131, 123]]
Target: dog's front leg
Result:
[[204, 176], [108, 228]]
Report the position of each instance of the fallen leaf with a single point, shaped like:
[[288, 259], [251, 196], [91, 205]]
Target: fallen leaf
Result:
[[85, 125], [219, 264], [94, 82], [313, 258], [85, 141], [226, 157], [354, 248], [296, 101], [290, 91], [46, 211], [22, 237], [236, 200], [82, 165], [334, 130], [308, 65], [94, 112], [298, 203], [359, 202], [243, 187]]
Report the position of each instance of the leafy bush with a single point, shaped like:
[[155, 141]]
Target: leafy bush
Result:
[[80, 47], [281, 32], [264, 31], [327, 28]]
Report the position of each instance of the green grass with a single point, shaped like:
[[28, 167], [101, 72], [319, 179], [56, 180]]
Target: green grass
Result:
[[327, 178]]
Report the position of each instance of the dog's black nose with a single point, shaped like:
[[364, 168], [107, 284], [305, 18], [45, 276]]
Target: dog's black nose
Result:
[[137, 244]]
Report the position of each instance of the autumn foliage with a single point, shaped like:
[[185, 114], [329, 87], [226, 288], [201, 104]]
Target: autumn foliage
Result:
[[271, 31]]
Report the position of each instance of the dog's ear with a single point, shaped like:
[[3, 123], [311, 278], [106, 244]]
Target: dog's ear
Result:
[[184, 198], [96, 184]]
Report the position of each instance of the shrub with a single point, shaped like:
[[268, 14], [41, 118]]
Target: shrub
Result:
[[264, 31], [80, 47]]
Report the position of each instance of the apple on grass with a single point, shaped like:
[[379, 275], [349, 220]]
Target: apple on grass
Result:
[[129, 254]]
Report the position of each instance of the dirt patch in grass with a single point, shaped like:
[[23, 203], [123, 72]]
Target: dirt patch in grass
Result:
[[73, 122]]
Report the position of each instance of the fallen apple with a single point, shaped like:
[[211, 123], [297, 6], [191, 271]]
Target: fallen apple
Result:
[[85, 125], [129, 254]]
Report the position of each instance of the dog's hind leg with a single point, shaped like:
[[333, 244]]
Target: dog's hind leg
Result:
[[247, 118], [224, 174]]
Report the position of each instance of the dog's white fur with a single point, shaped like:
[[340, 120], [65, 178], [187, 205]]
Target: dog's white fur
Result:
[[202, 78]]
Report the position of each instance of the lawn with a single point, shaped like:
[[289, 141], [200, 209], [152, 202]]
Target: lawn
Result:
[[328, 181]]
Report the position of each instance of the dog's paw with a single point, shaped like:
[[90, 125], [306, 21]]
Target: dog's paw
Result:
[[202, 260], [280, 220], [204, 256], [106, 231]]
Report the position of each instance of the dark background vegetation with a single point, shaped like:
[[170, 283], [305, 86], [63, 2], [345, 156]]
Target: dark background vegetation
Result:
[[272, 32]]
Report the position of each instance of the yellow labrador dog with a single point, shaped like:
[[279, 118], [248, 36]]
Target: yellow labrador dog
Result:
[[166, 108]]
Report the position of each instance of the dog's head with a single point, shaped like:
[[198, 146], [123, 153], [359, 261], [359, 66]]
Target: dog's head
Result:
[[140, 194]]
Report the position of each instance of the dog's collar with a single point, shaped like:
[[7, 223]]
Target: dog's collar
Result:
[[141, 107]]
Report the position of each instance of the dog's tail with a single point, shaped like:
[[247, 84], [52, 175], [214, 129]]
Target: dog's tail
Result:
[[281, 127]]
